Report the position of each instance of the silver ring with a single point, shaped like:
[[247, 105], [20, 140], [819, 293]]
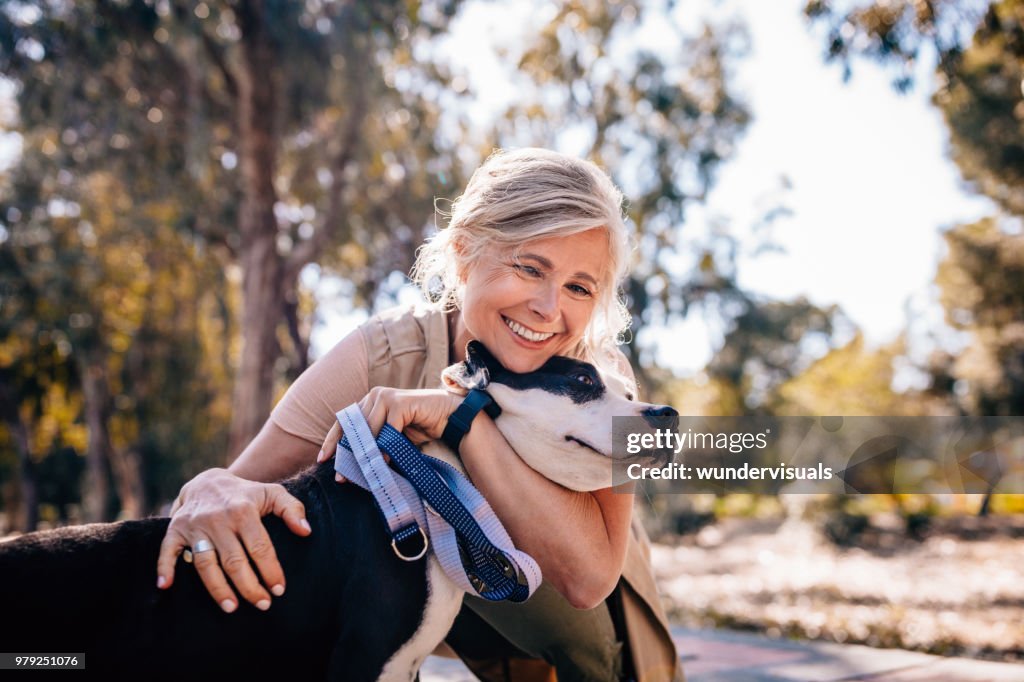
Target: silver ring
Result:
[[200, 546], [203, 545]]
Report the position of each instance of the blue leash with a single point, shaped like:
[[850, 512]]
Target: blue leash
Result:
[[473, 547]]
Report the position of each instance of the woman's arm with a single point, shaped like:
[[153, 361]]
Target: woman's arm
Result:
[[579, 539], [274, 454]]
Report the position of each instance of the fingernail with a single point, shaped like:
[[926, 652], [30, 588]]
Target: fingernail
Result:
[[278, 590], [228, 606], [161, 581], [263, 604], [320, 457], [305, 524]]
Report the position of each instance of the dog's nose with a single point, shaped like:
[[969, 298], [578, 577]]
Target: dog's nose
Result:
[[661, 415]]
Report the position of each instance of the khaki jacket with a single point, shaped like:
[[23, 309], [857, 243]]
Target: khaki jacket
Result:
[[409, 349]]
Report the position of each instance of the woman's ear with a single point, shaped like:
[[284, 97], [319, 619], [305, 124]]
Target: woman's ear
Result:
[[461, 262]]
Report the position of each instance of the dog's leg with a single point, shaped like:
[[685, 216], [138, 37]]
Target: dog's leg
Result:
[[443, 604], [399, 663]]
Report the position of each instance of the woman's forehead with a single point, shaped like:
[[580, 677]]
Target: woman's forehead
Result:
[[584, 251]]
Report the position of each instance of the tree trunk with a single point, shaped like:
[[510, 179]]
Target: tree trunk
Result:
[[102, 458], [25, 516], [97, 482], [126, 465], [262, 266], [29, 514]]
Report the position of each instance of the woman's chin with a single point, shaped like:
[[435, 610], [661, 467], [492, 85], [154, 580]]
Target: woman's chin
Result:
[[518, 364]]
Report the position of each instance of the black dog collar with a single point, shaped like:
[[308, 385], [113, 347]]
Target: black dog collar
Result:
[[462, 418]]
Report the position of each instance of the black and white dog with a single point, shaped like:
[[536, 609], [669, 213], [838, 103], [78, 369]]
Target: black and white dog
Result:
[[353, 610]]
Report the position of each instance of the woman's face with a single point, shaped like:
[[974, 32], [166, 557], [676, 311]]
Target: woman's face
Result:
[[529, 309]]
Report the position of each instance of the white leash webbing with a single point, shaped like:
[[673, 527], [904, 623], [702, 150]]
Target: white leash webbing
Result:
[[358, 458]]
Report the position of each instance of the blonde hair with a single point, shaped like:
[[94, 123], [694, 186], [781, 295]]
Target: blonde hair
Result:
[[522, 195]]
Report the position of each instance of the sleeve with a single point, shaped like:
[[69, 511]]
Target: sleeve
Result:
[[336, 380]]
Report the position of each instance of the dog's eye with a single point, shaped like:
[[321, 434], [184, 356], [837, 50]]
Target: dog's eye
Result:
[[584, 379]]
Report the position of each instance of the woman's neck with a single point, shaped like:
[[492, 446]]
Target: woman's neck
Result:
[[458, 337]]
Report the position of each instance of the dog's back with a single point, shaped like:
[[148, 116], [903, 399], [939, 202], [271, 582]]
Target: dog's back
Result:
[[91, 589]]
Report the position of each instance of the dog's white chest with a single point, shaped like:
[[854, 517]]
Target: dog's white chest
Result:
[[444, 599]]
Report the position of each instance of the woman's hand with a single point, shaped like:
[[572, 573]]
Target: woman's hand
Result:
[[421, 414], [225, 510]]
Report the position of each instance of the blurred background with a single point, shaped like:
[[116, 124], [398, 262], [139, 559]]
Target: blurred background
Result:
[[199, 198]]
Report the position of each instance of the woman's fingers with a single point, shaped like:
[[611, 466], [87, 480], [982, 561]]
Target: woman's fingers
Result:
[[330, 443], [174, 542], [207, 565], [279, 502], [261, 551], [234, 561]]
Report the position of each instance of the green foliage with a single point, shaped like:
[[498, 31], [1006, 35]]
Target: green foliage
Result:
[[981, 101]]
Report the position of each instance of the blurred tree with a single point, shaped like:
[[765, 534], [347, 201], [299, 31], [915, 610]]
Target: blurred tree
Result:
[[769, 344], [250, 118], [982, 284], [114, 308], [852, 380], [979, 47]]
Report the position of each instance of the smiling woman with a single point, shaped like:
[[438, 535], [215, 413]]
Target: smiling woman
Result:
[[529, 265]]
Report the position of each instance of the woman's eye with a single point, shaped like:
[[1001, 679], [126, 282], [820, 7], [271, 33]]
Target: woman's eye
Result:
[[584, 379], [579, 290], [527, 269]]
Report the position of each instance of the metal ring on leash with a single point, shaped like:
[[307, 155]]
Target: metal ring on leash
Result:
[[403, 557]]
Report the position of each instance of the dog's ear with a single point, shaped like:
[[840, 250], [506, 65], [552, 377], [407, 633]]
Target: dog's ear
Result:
[[474, 372], [478, 356]]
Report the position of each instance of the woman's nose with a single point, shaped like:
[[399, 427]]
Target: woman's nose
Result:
[[545, 302]]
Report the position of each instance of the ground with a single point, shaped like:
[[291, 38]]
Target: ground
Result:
[[944, 594]]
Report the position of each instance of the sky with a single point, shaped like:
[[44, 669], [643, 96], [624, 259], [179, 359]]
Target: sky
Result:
[[870, 187]]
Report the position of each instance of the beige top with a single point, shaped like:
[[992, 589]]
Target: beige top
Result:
[[408, 348]]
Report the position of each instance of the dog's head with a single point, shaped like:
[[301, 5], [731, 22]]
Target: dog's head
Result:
[[558, 418]]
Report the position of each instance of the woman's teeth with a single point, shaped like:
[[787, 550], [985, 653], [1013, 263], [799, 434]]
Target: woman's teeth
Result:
[[526, 333]]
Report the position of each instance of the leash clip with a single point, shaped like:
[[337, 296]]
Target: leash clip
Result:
[[423, 551]]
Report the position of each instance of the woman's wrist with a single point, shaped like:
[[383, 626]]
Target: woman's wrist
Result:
[[461, 420]]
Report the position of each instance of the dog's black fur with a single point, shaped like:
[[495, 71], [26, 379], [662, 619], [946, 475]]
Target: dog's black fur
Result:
[[92, 589]]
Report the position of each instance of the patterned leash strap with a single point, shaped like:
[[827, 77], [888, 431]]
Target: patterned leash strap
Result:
[[470, 543], [373, 474]]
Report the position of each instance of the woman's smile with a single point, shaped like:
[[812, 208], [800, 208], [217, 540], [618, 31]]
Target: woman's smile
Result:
[[524, 333], [531, 303]]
